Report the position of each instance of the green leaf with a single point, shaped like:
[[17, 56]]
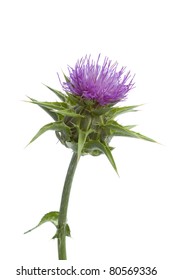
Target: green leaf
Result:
[[82, 135], [68, 113], [57, 126], [51, 105], [129, 126], [73, 99], [115, 111], [100, 111], [57, 92], [48, 111], [53, 218], [49, 217], [98, 146], [81, 141], [119, 130]]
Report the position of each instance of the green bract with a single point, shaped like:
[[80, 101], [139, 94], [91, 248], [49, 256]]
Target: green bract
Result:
[[84, 126]]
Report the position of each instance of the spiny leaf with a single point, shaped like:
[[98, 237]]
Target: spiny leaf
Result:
[[82, 135], [66, 78], [81, 141], [115, 111], [57, 126], [58, 93], [49, 217], [96, 145], [119, 130], [73, 99], [52, 114], [68, 113], [100, 111], [50, 105], [129, 126]]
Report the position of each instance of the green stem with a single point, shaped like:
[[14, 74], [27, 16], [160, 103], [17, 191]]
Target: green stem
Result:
[[64, 206]]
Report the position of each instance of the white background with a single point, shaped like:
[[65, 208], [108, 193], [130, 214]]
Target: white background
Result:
[[124, 221]]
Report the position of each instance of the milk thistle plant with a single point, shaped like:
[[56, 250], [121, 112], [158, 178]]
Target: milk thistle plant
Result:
[[84, 120]]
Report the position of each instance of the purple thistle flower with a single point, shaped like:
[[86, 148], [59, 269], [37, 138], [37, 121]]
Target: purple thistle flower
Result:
[[103, 84]]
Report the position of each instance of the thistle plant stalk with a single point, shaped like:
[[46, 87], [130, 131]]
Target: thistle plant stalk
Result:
[[62, 220]]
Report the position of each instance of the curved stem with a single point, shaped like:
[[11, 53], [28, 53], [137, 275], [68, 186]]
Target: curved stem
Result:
[[64, 206]]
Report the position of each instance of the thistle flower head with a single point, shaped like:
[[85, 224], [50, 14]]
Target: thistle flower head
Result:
[[104, 84], [85, 119]]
